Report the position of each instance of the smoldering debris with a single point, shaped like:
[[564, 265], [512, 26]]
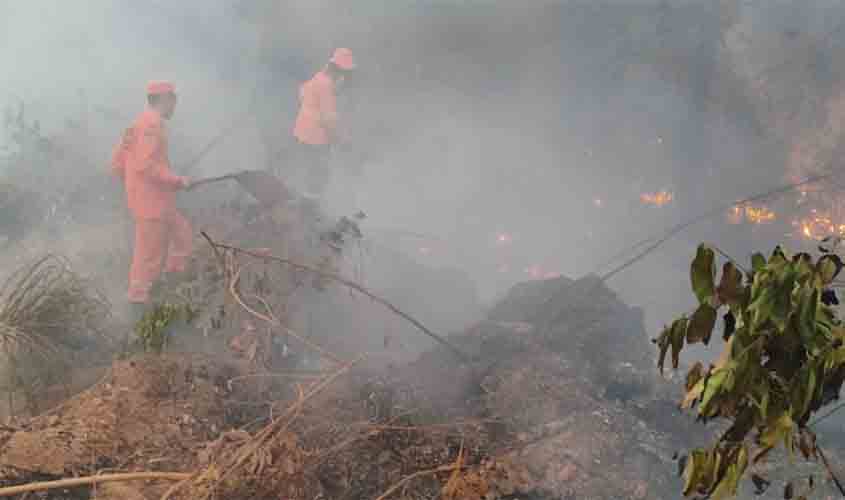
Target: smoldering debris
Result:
[[530, 420]]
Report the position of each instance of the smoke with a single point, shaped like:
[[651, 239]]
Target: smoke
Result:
[[541, 122]]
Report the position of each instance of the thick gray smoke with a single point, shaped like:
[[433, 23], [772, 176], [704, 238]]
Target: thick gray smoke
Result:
[[514, 142]]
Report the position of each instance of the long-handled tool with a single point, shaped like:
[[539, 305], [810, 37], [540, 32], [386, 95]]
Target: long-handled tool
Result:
[[262, 185]]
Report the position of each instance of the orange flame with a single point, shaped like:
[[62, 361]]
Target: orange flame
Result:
[[659, 198], [759, 215], [753, 214], [818, 226]]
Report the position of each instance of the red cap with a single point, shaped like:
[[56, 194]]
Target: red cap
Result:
[[157, 87], [342, 58]]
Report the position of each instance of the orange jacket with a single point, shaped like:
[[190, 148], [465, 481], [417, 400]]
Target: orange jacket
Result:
[[141, 160], [317, 117]]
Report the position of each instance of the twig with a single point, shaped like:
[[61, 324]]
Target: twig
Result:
[[221, 262], [275, 321], [278, 425], [436, 470], [306, 376], [349, 284], [829, 470], [85, 481], [176, 487], [312, 345], [826, 415], [730, 259]]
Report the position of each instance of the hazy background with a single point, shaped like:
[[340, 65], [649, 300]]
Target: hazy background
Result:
[[513, 138]]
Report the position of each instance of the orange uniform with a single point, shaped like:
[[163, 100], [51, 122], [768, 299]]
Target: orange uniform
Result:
[[317, 107], [316, 124], [141, 160]]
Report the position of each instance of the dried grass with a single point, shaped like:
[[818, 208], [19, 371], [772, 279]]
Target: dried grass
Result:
[[45, 309]]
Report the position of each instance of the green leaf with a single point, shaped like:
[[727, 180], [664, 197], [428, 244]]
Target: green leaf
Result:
[[762, 402], [698, 467], [828, 268], [695, 374], [834, 359], [762, 306], [730, 481], [730, 289], [703, 274], [803, 392], [778, 257], [803, 265], [808, 303], [701, 324], [718, 381], [778, 430], [758, 262], [783, 298]]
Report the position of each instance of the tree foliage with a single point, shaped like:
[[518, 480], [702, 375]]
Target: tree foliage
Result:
[[784, 360]]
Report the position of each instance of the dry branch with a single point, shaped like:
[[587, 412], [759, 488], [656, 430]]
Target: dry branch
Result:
[[436, 470], [279, 425], [347, 283], [85, 481]]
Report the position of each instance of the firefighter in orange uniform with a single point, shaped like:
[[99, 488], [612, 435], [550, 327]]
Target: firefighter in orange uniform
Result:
[[141, 161], [316, 128]]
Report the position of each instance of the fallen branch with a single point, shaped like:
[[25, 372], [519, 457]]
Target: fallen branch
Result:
[[347, 283], [85, 481], [437, 470]]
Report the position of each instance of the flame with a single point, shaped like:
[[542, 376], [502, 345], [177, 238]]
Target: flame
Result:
[[659, 198], [759, 215], [818, 226], [753, 214], [736, 215]]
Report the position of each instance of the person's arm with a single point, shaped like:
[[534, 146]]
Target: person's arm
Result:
[[150, 159]]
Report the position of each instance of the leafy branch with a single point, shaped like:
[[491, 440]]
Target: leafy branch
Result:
[[784, 360]]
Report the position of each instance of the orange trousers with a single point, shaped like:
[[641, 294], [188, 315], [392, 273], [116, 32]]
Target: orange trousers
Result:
[[154, 238]]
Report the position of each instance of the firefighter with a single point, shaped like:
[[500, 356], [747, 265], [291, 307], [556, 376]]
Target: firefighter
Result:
[[317, 126], [141, 161]]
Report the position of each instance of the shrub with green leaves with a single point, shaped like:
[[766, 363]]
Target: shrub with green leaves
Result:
[[784, 360], [153, 328]]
